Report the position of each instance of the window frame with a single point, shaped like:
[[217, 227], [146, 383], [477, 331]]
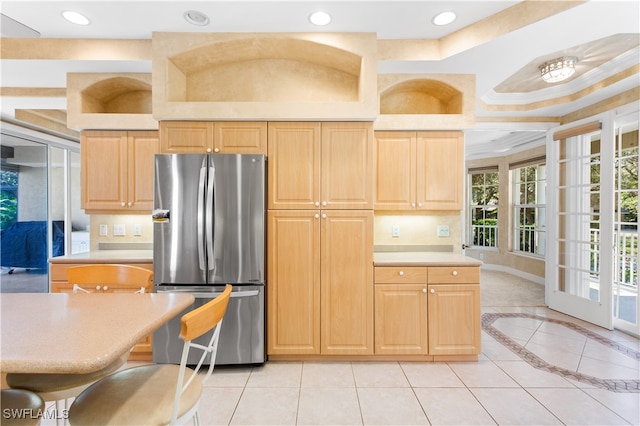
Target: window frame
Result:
[[473, 207], [539, 226]]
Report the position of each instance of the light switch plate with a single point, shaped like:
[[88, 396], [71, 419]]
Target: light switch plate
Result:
[[103, 230], [118, 230], [395, 231], [443, 230], [137, 230]]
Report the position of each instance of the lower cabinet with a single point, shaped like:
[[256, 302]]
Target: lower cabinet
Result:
[[60, 284], [427, 310], [319, 296]]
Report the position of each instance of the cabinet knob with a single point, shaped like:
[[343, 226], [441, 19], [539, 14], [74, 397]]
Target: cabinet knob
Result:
[[317, 203], [317, 216], [424, 290], [401, 273], [122, 204], [433, 290], [129, 204], [105, 288], [455, 273], [324, 216], [413, 204], [216, 150], [419, 204], [208, 149], [324, 203], [98, 287]]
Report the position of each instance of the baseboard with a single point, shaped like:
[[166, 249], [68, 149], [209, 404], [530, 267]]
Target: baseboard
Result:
[[491, 267]]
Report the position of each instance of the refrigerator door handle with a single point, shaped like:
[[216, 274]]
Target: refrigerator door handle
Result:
[[200, 224], [210, 219], [211, 295]]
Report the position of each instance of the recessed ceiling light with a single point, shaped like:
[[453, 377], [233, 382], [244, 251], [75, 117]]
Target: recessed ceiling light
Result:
[[444, 18], [320, 18], [196, 18], [75, 17]]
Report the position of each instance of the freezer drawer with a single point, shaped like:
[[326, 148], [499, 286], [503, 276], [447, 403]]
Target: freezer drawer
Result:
[[243, 327]]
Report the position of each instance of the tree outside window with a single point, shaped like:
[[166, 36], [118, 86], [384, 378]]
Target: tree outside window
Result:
[[484, 208], [8, 198], [529, 199]]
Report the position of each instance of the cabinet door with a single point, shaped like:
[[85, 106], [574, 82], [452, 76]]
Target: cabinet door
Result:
[[440, 163], [178, 137], [346, 282], [395, 170], [294, 165], [347, 166], [239, 137], [401, 319], [103, 170], [454, 319], [142, 146], [293, 292]]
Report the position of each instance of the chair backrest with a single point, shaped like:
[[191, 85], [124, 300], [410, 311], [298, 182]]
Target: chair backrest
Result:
[[105, 274], [194, 324]]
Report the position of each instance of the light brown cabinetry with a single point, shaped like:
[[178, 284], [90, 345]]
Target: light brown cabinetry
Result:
[[60, 284], [419, 170], [117, 170], [427, 310], [223, 137], [320, 298], [320, 165]]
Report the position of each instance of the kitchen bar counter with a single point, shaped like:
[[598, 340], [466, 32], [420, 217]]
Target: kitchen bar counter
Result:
[[107, 256], [423, 258]]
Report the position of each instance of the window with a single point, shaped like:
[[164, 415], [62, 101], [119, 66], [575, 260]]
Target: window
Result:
[[484, 207], [529, 189], [8, 196]]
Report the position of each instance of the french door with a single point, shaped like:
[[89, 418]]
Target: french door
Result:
[[592, 246]]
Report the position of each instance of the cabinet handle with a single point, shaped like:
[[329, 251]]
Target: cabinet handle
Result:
[[324, 216], [208, 149], [317, 203], [424, 290], [129, 204], [216, 150], [122, 204], [433, 290], [401, 273], [98, 288], [324, 203], [317, 216], [455, 273], [105, 288], [419, 204], [413, 204]]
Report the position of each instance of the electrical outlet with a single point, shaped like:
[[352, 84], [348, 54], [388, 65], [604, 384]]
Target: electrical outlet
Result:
[[443, 230], [118, 230], [137, 230], [103, 230], [395, 231]]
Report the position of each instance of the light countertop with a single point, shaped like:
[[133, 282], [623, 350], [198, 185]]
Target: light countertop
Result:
[[423, 258], [107, 256]]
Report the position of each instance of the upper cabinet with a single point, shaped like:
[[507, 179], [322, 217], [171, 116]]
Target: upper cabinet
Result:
[[234, 137], [325, 165], [265, 76], [419, 170], [117, 170]]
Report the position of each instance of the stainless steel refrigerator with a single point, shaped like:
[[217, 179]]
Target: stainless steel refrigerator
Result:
[[209, 222]]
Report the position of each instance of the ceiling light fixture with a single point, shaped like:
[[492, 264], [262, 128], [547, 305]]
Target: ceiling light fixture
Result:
[[444, 18], [196, 18], [558, 69], [75, 17], [320, 18]]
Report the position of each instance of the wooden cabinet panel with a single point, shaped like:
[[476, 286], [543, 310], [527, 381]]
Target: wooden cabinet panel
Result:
[[454, 275], [401, 275], [346, 282], [454, 319], [400, 319], [187, 137], [240, 137], [347, 166], [294, 165], [117, 170], [395, 170], [320, 165], [293, 292], [440, 166], [419, 170]]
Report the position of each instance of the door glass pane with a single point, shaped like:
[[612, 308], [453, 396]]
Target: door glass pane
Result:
[[79, 220], [625, 282], [579, 217], [58, 204], [24, 254]]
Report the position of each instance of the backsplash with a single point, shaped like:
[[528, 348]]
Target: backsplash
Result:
[[130, 224], [418, 230]]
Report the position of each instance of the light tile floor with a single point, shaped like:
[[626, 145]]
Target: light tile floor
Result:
[[537, 367]]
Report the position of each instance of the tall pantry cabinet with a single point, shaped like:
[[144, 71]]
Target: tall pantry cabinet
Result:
[[320, 239]]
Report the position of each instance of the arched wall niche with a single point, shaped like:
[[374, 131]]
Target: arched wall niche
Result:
[[421, 97], [263, 69], [117, 95]]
